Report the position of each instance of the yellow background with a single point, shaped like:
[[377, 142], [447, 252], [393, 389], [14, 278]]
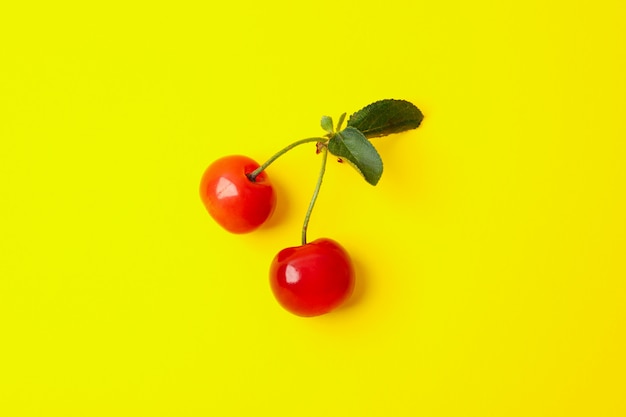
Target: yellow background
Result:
[[490, 258]]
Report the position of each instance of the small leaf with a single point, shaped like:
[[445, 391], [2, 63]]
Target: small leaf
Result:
[[340, 123], [352, 146], [386, 117], [327, 124]]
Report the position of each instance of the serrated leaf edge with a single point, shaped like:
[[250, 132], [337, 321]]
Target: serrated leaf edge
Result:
[[374, 135]]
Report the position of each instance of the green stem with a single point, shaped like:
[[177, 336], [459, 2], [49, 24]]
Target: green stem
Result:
[[315, 193], [252, 176]]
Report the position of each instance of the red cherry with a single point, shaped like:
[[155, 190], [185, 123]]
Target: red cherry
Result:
[[312, 279], [237, 203]]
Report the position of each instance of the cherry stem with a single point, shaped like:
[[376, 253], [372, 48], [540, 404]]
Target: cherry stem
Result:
[[252, 176], [307, 217]]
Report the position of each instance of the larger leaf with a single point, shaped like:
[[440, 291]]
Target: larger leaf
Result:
[[350, 144], [385, 117]]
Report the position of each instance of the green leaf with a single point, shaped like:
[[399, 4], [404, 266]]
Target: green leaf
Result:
[[341, 119], [327, 124], [350, 144], [386, 117]]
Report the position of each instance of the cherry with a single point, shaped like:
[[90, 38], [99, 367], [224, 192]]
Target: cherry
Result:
[[235, 201], [312, 279], [316, 277]]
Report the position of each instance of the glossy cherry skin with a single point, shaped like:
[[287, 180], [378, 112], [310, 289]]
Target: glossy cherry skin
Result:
[[236, 203], [312, 279]]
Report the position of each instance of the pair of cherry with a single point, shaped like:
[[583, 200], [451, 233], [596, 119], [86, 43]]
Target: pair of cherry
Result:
[[315, 277], [307, 280]]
